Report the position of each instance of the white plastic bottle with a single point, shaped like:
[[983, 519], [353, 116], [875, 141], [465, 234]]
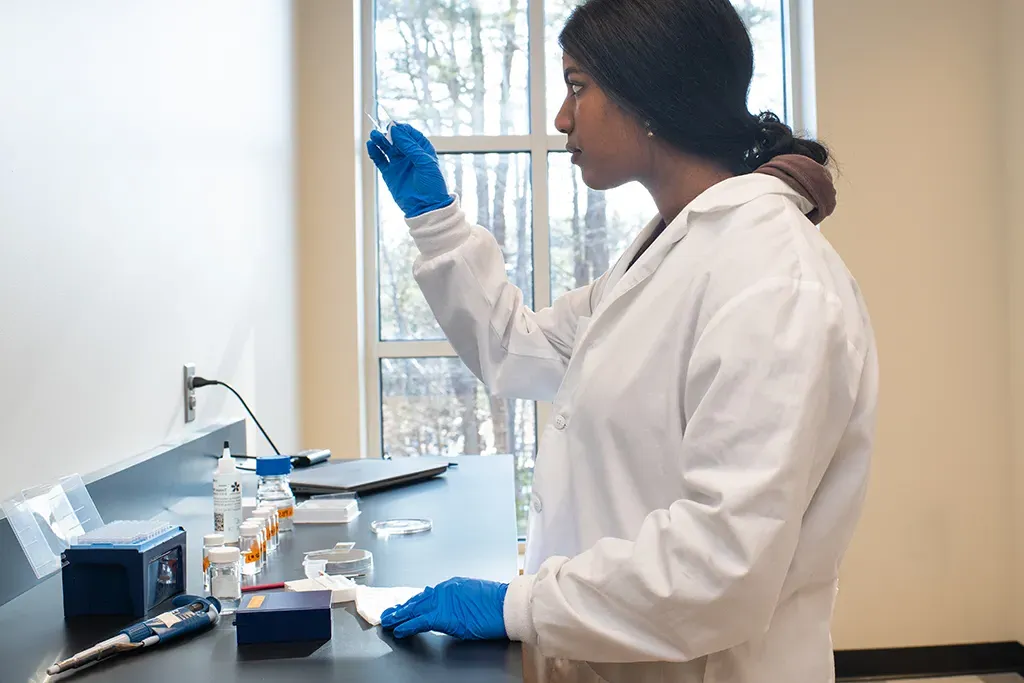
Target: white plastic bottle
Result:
[[227, 498]]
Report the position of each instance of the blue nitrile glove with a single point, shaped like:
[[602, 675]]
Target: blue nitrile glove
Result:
[[408, 165], [468, 609]]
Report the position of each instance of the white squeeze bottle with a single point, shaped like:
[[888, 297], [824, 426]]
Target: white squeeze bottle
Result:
[[227, 498]]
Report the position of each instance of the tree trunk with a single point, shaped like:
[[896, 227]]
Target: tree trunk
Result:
[[403, 328], [579, 262], [464, 388], [422, 31], [596, 235], [460, 172], [508, 29], [501, 172], [499, 422], [523, 255]]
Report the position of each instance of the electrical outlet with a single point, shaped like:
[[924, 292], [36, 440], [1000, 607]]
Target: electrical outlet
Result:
[[190, 392]]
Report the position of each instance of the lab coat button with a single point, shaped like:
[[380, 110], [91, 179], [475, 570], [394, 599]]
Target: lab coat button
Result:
[[559, 422], [538, 507]]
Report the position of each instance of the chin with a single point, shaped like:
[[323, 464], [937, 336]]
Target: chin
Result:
[[596, 180]]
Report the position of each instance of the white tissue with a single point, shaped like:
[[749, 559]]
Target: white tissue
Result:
[[342, 588], [371, 602]]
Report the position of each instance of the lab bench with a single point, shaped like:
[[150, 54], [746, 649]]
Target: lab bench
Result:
[[474, 534]]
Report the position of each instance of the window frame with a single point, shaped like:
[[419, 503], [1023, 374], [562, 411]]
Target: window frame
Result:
[[798, 80]]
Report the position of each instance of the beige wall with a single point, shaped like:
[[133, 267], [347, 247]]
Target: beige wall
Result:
[[1011, 82], [908, 94], [330, 276], [911, 95], [145, 221]]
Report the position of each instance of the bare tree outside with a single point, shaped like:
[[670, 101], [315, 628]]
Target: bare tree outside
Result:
[[460, 68]]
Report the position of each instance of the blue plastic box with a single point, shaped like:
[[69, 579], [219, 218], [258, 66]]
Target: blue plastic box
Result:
[[129, 579], [283, 617]]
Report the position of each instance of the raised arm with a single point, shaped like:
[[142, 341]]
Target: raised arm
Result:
[[516, 352]]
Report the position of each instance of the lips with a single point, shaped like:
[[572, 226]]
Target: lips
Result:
[[575, 151]]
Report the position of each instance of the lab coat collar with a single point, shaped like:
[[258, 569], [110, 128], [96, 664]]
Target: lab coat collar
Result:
[[741, 189], [728, 194]]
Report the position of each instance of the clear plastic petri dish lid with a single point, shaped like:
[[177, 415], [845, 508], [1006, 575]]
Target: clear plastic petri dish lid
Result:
[[400, 527], [339, 560]]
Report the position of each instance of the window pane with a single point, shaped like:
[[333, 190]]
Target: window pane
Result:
[[495, 193], [589, 229], [454, 68], [768, 88], [762, 17], [556, 12], [435, 406]]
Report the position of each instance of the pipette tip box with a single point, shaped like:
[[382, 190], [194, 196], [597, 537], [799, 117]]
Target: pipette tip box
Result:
[[124, 567], [284, 617]]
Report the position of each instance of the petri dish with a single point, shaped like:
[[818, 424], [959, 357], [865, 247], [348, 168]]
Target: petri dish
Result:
[[400, 527], [353, 562]]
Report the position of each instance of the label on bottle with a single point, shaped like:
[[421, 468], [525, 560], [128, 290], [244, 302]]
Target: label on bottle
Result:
[[253, 554], [227, 506], [286, 512], [206, 564]]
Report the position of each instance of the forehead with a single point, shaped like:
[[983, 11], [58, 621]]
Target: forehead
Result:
[[568, 61]]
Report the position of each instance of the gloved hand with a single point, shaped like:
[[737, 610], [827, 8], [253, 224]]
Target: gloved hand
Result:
[[408, 165], [468, 609]]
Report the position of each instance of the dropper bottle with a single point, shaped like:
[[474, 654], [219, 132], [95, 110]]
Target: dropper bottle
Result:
[[227, 498]]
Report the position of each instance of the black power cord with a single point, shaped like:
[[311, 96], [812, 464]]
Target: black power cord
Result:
[[198, 382]]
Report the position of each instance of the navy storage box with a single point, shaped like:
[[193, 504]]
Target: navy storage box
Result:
[[283, 617], [129, 579]]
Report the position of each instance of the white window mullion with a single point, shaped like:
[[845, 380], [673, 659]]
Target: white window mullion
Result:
[[415, 349], [489, 144], [372, 407], [556, 143], [799, 77], [542, 143], [483, 144]]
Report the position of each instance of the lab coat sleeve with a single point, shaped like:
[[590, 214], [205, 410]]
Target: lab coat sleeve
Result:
[[705, 574], [516, 352]]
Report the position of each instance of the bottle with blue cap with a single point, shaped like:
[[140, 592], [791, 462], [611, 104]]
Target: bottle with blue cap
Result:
[[274, 489]]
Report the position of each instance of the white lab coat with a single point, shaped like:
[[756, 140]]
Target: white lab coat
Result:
[[714, 412]]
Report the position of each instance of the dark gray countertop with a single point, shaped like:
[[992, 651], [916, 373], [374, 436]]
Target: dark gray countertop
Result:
[[473, 511]]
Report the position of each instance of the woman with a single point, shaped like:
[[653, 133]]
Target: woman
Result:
[[714, 393]]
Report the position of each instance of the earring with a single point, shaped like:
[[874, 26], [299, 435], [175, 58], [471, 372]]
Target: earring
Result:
[[650, 133]]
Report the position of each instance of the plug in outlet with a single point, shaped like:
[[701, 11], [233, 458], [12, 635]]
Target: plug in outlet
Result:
[[190, 392]]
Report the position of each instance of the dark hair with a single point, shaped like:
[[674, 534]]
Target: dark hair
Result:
[[683, 67]]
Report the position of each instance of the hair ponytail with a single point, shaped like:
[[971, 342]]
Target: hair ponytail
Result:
[[774, 138]]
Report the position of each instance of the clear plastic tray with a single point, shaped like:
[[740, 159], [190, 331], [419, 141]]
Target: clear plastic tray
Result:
[[329, 509], [48, 519], [401, 527]]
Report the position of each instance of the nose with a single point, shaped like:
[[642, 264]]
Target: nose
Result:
[[563, 119]]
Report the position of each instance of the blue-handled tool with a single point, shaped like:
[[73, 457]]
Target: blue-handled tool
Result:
[[191, 614]]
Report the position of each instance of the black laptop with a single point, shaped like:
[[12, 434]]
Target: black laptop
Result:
[[363, 476]]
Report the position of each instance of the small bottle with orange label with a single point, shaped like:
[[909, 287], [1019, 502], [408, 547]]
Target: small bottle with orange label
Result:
[[250, 543], [209, 541], [268, 515]]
